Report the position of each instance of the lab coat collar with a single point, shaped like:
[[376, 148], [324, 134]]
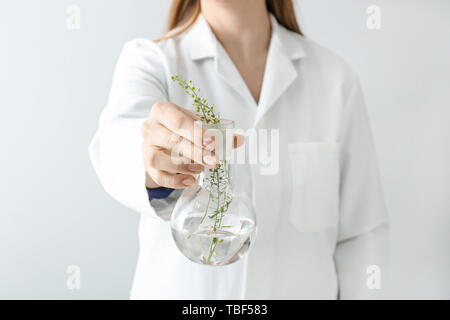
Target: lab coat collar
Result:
[[280, 72], [201, 42]]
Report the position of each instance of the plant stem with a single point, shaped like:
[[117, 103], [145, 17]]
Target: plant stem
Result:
[[219, 179]]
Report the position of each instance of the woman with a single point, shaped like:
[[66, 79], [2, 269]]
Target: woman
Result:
[[322, 223]]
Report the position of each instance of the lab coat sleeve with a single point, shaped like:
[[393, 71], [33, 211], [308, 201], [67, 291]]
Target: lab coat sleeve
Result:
[[115, 151], [362, 247]]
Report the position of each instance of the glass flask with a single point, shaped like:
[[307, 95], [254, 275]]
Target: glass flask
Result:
[[214, 222]]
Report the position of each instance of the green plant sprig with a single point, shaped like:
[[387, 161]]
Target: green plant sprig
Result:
[[218, 179], [200, 104]]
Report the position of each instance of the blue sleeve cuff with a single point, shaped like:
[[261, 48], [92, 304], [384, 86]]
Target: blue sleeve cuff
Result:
[[159, 193]]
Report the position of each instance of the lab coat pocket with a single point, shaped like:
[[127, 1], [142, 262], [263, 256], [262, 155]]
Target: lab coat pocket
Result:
[[315, 186]]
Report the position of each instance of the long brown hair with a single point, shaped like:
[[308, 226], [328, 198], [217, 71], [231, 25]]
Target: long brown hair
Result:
[[183, 14]]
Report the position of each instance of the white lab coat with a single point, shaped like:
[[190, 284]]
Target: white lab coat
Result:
[[321, 219]]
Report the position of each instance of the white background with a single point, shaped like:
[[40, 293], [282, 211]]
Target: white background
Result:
[[54, 83]]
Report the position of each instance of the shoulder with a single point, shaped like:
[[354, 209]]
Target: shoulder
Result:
[[145, 55], [142, 48], [163, 52], [320, 62], [325, 57], [330, 65]]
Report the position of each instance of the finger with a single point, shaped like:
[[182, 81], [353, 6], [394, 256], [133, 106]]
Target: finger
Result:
[[181, 147], [182, 122], [164, 161], [238, 140], [170, 180], [185, 148]]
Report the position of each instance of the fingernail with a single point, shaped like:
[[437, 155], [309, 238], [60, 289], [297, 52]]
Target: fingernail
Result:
[[209, 159], [187, 182], [194, 167]]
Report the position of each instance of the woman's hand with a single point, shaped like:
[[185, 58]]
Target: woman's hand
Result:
[[174, 148]]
